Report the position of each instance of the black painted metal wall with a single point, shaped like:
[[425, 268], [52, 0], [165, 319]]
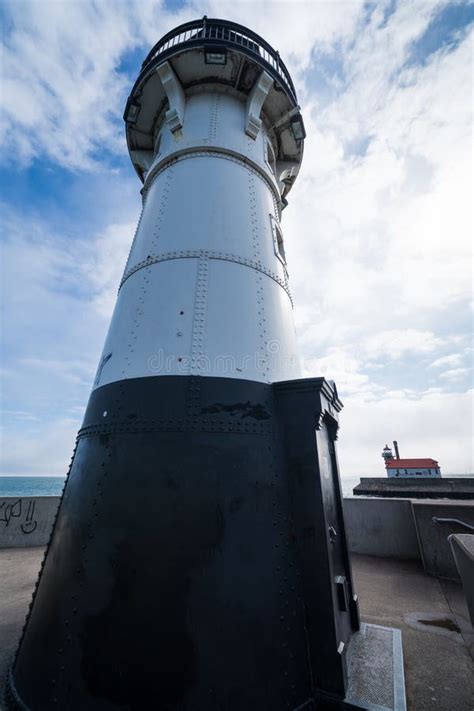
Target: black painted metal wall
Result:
[[198, 560]]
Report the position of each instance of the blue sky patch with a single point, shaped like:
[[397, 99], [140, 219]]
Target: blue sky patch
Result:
[[357, 147], [326, 76], [131, 62], [445, 31]]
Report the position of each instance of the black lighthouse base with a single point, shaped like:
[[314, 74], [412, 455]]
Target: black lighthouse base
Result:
[[199, 558]]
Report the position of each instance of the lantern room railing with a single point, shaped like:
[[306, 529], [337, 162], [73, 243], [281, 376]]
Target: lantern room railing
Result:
[[224, 33]]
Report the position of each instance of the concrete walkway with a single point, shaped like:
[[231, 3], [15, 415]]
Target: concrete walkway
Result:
[[437, 636], [438, 640], [18, 573]]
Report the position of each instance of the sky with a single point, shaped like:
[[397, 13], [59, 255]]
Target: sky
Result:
[[377, 230]]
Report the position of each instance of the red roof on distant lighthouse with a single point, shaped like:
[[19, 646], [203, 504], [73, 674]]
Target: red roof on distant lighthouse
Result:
[[412, 464]]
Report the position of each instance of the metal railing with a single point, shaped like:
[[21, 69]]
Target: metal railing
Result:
[[455, 521], [230, 34]]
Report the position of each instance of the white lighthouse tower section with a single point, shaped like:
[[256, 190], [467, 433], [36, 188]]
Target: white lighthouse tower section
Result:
[[205, 289]]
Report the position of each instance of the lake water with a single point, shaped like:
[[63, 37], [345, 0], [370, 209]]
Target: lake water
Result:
[[53, 485], [31, 485]]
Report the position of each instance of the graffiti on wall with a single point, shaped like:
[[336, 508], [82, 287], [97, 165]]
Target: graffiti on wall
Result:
[[21, 510]]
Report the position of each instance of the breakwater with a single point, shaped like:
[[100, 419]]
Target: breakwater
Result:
[[26, 522]]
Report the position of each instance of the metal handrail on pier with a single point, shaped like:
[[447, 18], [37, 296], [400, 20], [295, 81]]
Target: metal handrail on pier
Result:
[[457, 521]]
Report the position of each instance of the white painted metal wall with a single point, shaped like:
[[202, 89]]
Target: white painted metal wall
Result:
[[415, 473], [205, 288]]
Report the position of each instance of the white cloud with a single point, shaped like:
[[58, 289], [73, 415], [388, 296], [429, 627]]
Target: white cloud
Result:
[[295, 29], [45, 451], [395, 344], [57, 309], [453, 359], [48, 277], [379, 244], [342, 367], [60, 80], [429, 424], [104, 262], [454, 373], [61, 65], [378, 230]]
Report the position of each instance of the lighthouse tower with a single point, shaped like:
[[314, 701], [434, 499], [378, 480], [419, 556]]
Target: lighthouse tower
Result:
[[215, 134], [387, 454], [199, 560]]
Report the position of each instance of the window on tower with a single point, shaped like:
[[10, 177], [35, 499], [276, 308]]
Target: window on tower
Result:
[[270, 156], [278, 244]]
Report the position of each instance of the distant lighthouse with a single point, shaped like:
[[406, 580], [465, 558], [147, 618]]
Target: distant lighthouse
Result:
[[199, 558], [398, 467]]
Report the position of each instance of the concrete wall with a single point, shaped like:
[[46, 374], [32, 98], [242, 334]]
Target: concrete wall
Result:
[[436, 552], [381, 527], [26, 521], [404, 528], [417, 487]]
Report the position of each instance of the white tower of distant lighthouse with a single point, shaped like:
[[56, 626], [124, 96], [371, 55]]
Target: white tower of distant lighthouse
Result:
[[216, 136]]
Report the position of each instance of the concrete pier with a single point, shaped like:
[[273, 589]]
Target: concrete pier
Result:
[[461, 487], [438, 641]]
